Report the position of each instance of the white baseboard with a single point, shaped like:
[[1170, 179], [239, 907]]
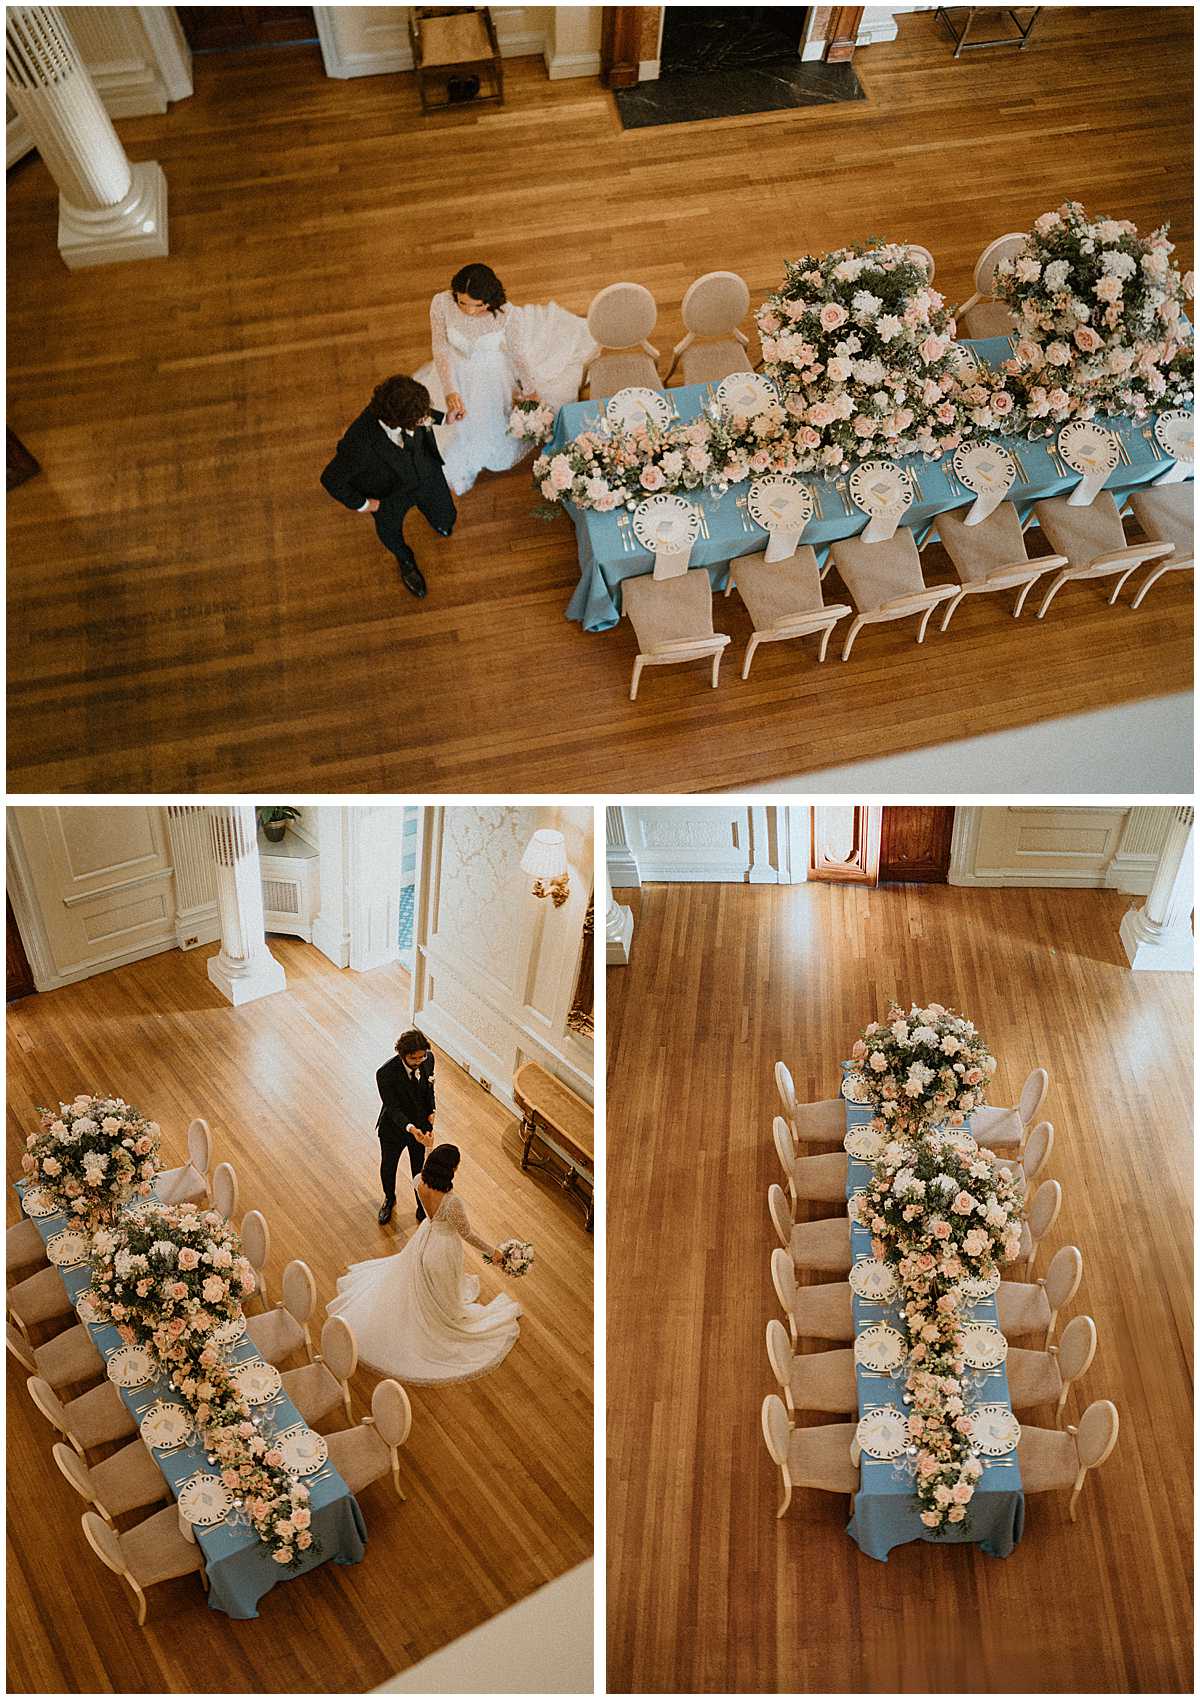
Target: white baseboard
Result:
[[672, 868], [623, 870], [564, 65], [1095, 879], [198, 927], [648, 70], [50, 982], [381, 61]]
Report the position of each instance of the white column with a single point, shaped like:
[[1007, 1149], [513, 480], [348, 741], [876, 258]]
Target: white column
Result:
[[243, 969], [1159, 934], [622, 857], [107, 209], [618, 928], [196, 918], [761, 871]]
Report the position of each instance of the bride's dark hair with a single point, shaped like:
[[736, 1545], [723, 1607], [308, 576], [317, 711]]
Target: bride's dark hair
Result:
[[481, 284], [439, 1167]]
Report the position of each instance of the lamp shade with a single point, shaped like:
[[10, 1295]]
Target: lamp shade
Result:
[[546, 856]]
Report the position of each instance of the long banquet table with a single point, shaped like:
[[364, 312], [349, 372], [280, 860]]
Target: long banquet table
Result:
[[239, 1567], [886, 1511], [604, 562]]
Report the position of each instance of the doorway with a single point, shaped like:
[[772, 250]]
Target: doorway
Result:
[[859, 844], [914, 846], [408, 886], [20, 982], [223, 29]]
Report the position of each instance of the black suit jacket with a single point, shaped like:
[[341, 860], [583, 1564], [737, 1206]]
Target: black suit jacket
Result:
[[404, 1100], [367, 463]]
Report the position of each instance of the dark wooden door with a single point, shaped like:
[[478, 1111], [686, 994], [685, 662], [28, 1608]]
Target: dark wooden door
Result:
[[215, 28], [914, 845], [20, 975]]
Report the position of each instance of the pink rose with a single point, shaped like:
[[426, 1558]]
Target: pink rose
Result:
[[189, 1257], [1086, 339], [1002, 402], [651, 478], [177, 1290], [940, 1229], [820, 413], [832, 316], [956, 1513]]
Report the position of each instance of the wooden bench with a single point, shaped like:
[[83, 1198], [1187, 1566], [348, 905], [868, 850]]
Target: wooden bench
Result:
[[557, 1125]]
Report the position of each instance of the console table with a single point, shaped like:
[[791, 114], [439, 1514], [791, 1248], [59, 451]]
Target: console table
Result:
[[557, 1125]]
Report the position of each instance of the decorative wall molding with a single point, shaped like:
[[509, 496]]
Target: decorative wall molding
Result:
[[1081, 847], [371, 41], [622, 863], [719, 842]]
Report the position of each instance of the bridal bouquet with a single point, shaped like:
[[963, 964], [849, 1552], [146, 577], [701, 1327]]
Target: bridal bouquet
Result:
[[923, 1067], [514, 1257], [92, 1156], [531, 420], [858, 344], [1101, 321]]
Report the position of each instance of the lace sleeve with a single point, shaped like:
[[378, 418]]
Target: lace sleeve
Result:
[[513, 343], [457, 1217], [441, 345]]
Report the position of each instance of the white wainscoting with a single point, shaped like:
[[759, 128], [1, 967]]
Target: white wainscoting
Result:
[[367, 41], [1097, 847], [720, 842]]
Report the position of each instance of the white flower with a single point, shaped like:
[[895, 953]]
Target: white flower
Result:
[[900, 1032], [1056, 275], [865, 306], [1118, 264], [1028, 270], [924, 1036], [84, 1124], [888, 327]]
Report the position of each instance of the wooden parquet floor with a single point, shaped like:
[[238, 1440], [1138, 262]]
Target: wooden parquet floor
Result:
[[498, 1471], [188, 610], [707, 1591]]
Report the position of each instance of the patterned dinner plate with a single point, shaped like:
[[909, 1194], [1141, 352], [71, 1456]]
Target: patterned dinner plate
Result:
[[304, 1451], [976, 1288], [1088, 447], [874, 1280], [38, 1203], [85, 1306], [142, 1207], [256, 1381], [666, 522], [879, 1347], [636, 406], [878, 487], [203, 1500], [230, 1332], [1173, 431], [865, 1143], [994, 1430], [68, 1248], [131, 1366], [883, 1433], [779, 503], [746, 394], [984, 468], [854, 1089], [984, 1347], [166, 1425]]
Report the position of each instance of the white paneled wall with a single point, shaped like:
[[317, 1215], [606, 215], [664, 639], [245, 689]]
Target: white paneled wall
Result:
[[1114, 847], [365, 41], [733, 843]]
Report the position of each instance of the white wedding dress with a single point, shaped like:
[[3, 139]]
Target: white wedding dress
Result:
[[414, 1314], [484, 357]]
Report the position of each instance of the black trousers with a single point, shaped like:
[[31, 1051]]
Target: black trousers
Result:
[[392, 1144], [432, 498]]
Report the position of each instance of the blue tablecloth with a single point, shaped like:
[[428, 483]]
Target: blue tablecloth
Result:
[[886, 1510], [603, 563], [239, 1567]]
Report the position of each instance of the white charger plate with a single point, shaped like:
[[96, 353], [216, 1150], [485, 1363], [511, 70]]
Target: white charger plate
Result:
[[779, 503], [878, 487], [874, 1280], [994, 1430], [984, 1347], [984, 468], [38, 1203], [257, 1381], [854, 1089], [666, 522], [1088, 447], [203, 1500], [865, 1143], [975, 1289], [304, 1451], [131, 1366], [1173, 431], [636, 406], [166, 1425], [67, 1248], [230, 1332], [746, 394], [879, 1347], [883, 1433]]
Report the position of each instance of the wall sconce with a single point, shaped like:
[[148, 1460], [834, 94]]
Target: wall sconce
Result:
[[546, 859]]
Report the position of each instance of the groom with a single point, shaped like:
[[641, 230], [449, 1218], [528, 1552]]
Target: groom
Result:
[[406, 1119], [388, 462]]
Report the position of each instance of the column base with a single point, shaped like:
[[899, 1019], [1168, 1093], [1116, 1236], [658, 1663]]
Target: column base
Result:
[[247, 981], [135, 229], [1148, 946], [618, 935]]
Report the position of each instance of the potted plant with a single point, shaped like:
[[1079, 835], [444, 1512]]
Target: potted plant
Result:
[[274, 821]]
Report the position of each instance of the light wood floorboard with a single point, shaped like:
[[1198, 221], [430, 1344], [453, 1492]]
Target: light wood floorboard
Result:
[[498, 1471], [707, 1591], [190, 612]]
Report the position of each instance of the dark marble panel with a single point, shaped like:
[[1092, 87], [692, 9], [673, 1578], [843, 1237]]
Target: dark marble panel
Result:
[[710, 38], [691, 96]]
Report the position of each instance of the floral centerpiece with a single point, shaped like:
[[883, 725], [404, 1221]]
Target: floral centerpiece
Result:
[[169, 1279], [859, 345], [923, 1067], [1101, 326], [531, 420], [92, 1156]]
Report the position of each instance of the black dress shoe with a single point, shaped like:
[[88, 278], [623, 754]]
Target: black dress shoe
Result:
[[385, 1211], [412, 578]]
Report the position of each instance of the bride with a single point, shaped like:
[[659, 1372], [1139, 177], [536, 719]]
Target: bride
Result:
[[485, 350], [414, 1314]]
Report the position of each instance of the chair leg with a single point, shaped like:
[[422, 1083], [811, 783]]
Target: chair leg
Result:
[[639, 663], [855, 628], [925, 618], [1059, 580], [1153, 579], [1121, 581], [787, 1494], [716, 667], [1025, 589], [141, 1600], [750, 648], [825, 637], [729, 579], [950, 607]]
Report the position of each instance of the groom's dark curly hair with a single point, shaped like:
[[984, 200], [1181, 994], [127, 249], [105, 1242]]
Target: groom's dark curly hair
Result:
[[400, 401]]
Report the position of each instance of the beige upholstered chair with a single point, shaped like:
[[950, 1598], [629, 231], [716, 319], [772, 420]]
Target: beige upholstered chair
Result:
[[981, 315], [811, 1381], [812, 1245], [1038, 1147], [256, 1243], [620, 319], [783, 600], [158, 1550], [713, 308], [1036, 1378], [280, 1332], [316, 1387], [92, 1420], [364, 1453], [822, 1312], [24, 1246], [1164, 513], [1050, 1458], [884, 579], [1004, 1130], [68, 1360], [820, 1178], [922, 257], [1028, 1307], [672, 619], [988, 556], [39, 1298], [1041, 1214], [819, 1123], [825, 1457], [225, 1191], [125, 1482], [189, 1183], [1093, 540]]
